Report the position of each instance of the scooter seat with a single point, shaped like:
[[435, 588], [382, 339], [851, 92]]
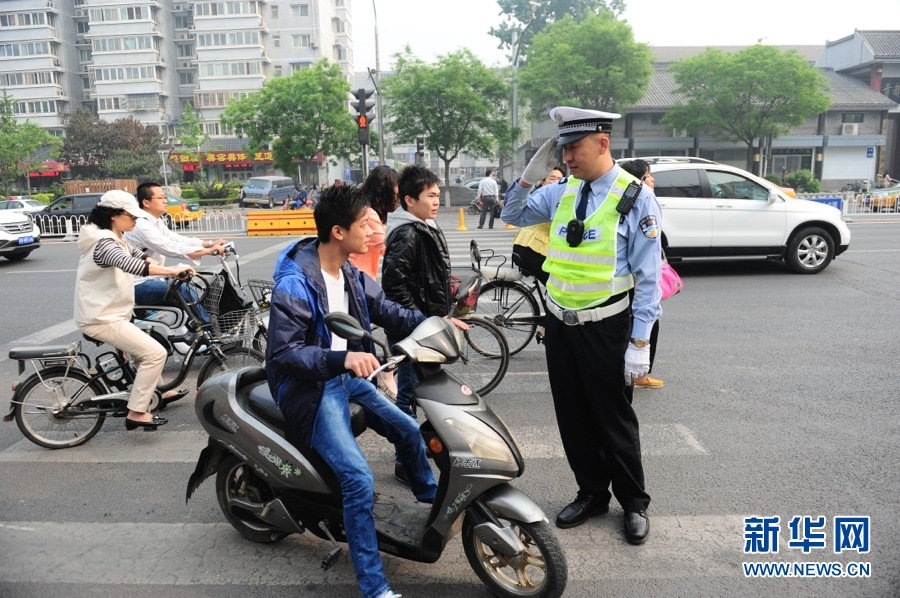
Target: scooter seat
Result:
[[263, 406]]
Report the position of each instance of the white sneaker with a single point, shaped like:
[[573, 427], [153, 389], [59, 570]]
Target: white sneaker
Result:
[[390, 594]]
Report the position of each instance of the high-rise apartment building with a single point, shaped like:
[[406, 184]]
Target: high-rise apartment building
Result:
[[148, 58]]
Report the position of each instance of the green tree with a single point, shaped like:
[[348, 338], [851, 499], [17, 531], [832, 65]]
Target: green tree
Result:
[[518, 13], [133, 155], [22, 145], [747, 95], [191, 134], [87, 145], [300, 117], [593, 63], [458, 104]]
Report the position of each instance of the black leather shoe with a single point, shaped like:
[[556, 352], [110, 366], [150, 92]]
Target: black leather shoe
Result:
[[637, 526], [400, 474], [149, 426], [580, 510]]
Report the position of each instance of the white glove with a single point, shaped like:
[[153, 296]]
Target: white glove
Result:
[[540, 163], [637, 362]]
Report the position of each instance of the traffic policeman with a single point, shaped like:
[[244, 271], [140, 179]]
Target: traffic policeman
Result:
[[603, 298]]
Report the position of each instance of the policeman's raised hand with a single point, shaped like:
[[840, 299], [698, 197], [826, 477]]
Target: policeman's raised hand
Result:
[[360, 363], [539, 164], [637, 362]]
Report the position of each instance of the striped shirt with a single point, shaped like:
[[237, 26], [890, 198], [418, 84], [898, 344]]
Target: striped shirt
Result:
[[109, 254]]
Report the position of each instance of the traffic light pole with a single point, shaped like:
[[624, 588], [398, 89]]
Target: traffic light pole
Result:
[[362, 106]]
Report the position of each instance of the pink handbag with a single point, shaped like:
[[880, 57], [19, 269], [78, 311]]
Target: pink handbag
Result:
[[669, 283]]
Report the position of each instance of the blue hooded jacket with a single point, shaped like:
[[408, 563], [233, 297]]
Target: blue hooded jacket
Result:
[[299, 359]]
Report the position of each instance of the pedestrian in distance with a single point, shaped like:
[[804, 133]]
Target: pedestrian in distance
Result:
[[104, 297], [380, 188], [640, 169], [416, 268], [604, 242], [314, 374], [489, 194]]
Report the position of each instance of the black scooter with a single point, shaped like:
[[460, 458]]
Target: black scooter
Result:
[[267, 488]]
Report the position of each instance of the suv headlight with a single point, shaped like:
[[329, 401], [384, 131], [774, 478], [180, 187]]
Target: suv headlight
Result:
[[484, 441]]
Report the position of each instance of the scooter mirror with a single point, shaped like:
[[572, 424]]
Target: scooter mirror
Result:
[[345, 326]]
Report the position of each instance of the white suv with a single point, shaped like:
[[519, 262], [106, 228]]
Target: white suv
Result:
[[18, 235], [715, 210]]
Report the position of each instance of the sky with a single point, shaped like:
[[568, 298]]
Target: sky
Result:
[[436, 27]]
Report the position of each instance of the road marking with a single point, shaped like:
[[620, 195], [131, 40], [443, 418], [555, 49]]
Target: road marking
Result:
[[39, 271], [56, 331], [204, 554], [108, 446]]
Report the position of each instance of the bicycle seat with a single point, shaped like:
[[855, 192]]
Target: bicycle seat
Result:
[[96, 341], [501, 273], [44, 351]]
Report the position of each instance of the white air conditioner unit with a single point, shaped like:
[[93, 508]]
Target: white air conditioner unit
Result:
[[850, 129], [679, 133]]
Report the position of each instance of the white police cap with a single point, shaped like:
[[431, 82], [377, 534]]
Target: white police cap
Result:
[[575, 123]]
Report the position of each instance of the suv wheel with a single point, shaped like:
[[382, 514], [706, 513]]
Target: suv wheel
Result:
[[271, 203], [810, 250]]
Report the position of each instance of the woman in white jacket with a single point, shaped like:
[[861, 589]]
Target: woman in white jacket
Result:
[[104, 297]]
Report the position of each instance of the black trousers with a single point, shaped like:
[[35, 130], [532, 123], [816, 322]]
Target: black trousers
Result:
[[597, 423], [488, 203]]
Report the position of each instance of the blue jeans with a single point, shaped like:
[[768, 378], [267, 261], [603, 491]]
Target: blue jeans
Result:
[[333, 439], [406, 382], [153, 292]]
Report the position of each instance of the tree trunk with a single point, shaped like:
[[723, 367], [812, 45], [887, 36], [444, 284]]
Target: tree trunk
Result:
[[447, 202]]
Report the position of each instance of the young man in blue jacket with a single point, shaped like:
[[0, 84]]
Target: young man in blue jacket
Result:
[[313, 374]]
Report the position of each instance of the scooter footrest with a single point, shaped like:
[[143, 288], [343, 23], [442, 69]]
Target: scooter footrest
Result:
[[331, 558]]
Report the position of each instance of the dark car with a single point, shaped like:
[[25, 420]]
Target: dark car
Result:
[[68, 208]]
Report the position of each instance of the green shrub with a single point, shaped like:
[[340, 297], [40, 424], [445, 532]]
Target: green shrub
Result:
[[188, 192], [210, 190], [803, 181]]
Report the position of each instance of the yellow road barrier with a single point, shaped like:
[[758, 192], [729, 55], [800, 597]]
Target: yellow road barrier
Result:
[[273, 223]]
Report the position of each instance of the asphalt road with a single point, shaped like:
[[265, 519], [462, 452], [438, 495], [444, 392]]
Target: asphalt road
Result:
[[780, 399]]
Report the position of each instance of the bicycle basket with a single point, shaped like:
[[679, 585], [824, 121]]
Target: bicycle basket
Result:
[[230, 310], [261, 291], [465, 294]]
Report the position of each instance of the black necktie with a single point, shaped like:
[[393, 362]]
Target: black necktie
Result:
[[581, 210]]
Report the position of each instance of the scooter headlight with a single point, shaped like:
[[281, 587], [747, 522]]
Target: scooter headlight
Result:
[[484, 442]]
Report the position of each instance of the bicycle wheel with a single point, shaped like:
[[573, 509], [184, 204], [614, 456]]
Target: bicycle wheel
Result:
[[483, 359], [512, 307], [41, 413], [233, 357], [260, 339]]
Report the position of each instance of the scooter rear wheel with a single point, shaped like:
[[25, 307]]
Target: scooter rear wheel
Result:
[[236, 480], [40, 414], [540, 571]]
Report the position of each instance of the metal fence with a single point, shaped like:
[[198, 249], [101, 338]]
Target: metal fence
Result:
[[860, 206], [214, 221]]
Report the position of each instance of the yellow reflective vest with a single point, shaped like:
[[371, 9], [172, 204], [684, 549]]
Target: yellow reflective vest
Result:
[[583, 277]]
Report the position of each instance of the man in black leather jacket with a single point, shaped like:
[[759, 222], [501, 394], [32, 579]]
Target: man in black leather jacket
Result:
[[416, 268]]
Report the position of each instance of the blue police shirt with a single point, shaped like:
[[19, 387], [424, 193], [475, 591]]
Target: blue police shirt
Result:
[[638, 250]]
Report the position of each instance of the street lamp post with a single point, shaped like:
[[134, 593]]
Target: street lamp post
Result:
[[514, 111], [377, 82]]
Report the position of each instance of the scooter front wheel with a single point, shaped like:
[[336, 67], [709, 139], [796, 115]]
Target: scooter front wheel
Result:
[[238, 487], [540, 571]]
